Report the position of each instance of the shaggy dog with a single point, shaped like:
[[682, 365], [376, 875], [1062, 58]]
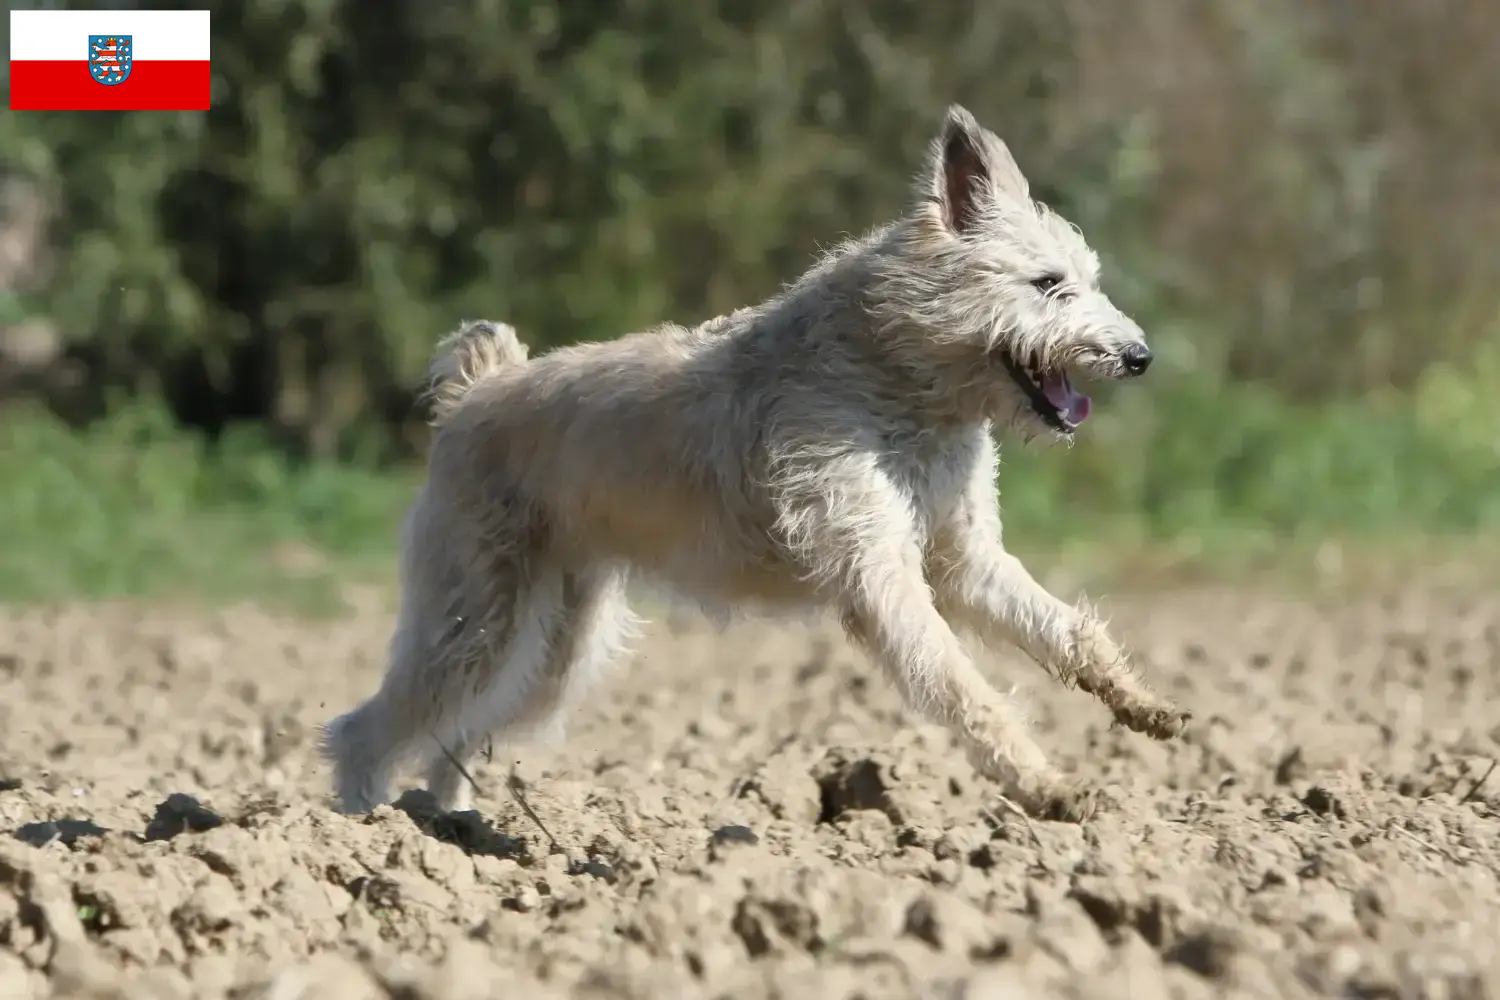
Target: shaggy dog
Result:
[[830, 447]]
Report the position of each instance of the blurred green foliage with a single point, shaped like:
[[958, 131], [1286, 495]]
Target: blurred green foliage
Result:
[[1297, 200], [135, 504]]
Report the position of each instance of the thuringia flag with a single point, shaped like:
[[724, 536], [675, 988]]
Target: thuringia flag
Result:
[[109, 60]]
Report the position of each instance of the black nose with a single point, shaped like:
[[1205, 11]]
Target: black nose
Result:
[[1136, 358]]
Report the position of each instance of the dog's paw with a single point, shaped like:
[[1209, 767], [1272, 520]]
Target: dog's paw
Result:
[[1159, 721], [1063, 800]]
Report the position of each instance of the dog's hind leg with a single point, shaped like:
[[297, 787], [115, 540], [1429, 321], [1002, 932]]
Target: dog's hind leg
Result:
[[592, 630], [448, 777], [364, 755], [569, 627], [367, 744], [493, 660]]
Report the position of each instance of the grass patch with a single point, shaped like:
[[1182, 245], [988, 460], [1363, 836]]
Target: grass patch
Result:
[[1184, 482], [136, 507]]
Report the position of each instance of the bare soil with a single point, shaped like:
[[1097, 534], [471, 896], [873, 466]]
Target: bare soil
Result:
[[749, 813]]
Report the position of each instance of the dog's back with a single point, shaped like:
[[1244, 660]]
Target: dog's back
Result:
[[643, 449]]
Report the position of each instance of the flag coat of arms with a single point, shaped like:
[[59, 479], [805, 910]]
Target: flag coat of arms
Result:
[[109, 60]]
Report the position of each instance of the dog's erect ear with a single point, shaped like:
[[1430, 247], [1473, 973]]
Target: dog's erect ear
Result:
[[972, 164]]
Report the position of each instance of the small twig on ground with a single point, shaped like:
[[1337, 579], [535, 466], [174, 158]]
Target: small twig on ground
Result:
[[518, 792], [1480, 783], [1026, 820], [1432, 848], [455, 762]]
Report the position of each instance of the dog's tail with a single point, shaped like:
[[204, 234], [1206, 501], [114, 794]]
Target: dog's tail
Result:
[[474, 352]]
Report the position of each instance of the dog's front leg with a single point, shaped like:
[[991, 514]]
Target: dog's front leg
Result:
[[892, 616], [844, 521], [983, 587]]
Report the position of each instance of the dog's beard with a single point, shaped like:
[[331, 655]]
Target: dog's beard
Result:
[[1023, 426]]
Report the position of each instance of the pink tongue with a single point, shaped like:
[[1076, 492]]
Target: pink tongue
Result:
[[1071, 404]]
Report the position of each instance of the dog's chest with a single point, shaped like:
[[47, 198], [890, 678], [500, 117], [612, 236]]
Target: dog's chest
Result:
[[937, 469]]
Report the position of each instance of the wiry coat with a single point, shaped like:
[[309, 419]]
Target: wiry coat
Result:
[[829, 447]]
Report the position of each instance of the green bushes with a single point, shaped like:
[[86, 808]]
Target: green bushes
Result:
[[1303, 239]]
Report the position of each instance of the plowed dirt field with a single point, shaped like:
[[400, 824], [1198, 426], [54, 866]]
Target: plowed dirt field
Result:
[[748, 813]]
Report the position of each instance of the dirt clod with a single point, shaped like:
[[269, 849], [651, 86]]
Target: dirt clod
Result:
[[64, 831], [1323, 802], [851, 782], [734, 834], [181, 813]]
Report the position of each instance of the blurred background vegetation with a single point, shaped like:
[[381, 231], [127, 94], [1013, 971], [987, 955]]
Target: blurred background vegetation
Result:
[[211, 324]]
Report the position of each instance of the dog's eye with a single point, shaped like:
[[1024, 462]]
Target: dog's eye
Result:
[[1047, 283]]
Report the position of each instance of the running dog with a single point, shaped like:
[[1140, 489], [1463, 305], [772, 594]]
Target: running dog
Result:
[[831, 447]]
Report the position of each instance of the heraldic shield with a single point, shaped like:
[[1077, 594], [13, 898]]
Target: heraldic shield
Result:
[[110, 58]]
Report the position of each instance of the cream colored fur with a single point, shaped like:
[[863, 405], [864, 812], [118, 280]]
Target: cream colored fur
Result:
[[830, 447]]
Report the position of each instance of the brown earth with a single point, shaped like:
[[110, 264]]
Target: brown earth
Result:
[[748, 813]]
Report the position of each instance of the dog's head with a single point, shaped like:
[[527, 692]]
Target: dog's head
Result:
[[1002, 292]]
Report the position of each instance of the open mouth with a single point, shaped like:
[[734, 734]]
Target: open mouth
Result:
[[1051, 393]]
